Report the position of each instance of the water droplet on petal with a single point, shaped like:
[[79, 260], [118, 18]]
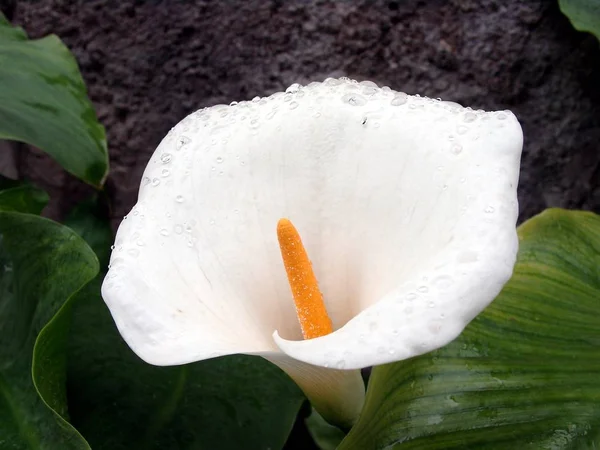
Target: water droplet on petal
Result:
[[155, 182], [178, 229], [164, 232], [443, 282], [165, 158], [219, 160], [354, 99], [423, 289], [293, 88], [165, 173], [399, 99], [489, 209], [146, 180], [133, 252], [470, 117], [461, 129], [456, 149], [179, 199], [182, 141]]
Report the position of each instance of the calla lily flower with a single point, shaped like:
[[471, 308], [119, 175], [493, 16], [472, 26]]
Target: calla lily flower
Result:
[[329, 228]]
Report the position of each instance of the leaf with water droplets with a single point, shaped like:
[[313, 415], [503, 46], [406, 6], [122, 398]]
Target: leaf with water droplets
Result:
[[523, 375]]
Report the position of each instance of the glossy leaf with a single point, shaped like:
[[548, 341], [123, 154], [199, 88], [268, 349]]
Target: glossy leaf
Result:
[[325, 435], [90, 220], [583, 14], [524, 375], [42, 264], [21, 197], [43, 102], [225, 403]]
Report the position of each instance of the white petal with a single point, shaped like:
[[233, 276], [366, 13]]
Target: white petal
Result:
[[338, 395], [393, 195]]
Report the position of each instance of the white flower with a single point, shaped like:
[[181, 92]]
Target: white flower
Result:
[[406, 206]]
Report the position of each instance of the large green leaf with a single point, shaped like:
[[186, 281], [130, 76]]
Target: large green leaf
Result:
[[21, 197], [43, 102], [524, 375], [42, 264], [226, 403], [90, 220], [583, 14]]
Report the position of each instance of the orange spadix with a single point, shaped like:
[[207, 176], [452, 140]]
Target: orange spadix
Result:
[[312, 314]]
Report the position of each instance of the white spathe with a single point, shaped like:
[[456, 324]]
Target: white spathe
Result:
[[407, 207]]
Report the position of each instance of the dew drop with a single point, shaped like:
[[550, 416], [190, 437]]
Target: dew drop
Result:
[[271, 114], [461, 129], [179, 199], [443, 282], [219, 160], [501, 116], [293, 105], [469, 117], [146, 181], [410, 297], [165, 173], [133, 252], [456, 149], [112, 247], [181, 142], [423, 289], [178, 229], [293, 88], [489, 209], [165, 158], [399, 99], [431, 304], [332, 82], [164, 232], [354, 99], [155, 182]]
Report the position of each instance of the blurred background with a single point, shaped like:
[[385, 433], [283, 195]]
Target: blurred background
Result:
[[149, 63]]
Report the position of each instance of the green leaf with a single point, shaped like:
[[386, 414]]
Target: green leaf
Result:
[[524, 375], [225, 403], [90, 220], [42, 264], [583, 14], [21, 197], [43, 102], [325, 435]]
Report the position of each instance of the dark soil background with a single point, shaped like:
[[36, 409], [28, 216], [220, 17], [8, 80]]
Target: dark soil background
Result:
[[149, 63]]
